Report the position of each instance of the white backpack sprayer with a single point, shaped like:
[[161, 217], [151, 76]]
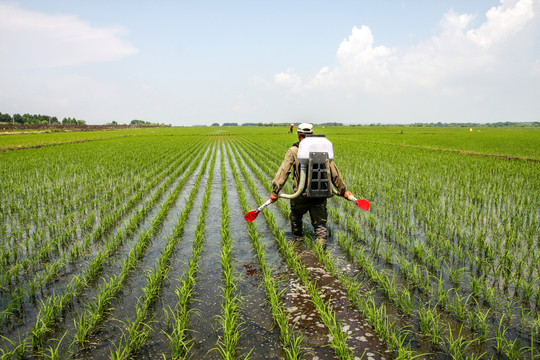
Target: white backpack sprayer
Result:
[[315, 153]]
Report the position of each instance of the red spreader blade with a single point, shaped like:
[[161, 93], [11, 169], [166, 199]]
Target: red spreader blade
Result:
[[252, 215], [363, 204]]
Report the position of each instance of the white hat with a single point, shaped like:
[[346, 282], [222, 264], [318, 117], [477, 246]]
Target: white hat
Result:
[[305, 128]]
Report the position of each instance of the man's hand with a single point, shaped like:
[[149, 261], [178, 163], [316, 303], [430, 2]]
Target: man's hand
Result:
[[348, 195], [273, 198]]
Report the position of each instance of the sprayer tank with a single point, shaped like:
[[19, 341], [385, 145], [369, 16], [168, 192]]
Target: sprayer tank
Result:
[[314, 144]]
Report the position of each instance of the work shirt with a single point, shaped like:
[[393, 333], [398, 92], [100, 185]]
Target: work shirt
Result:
[[291, 163]]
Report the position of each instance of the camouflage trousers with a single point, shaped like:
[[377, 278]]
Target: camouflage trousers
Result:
[[317, 212]]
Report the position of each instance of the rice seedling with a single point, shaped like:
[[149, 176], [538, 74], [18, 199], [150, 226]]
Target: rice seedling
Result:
[[455, 344], [430, 324]]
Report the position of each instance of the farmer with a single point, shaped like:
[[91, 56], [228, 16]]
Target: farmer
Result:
[[303, 204], [291, 129]]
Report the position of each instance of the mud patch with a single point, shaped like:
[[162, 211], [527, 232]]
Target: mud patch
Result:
[[303, 315]]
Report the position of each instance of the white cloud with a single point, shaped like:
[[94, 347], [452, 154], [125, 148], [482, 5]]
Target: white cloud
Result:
[[31, 39], [448, 62], [289, 80], [502, 22]]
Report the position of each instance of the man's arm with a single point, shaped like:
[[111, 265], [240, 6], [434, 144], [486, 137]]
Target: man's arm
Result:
[[337, 180], [283, 173]]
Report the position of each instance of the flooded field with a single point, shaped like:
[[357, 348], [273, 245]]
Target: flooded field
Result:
[[137, 247]]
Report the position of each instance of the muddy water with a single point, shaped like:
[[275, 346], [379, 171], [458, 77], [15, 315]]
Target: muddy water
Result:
[[361, 337], [207, 292], [261, 336], [158, 343], [273, 257]]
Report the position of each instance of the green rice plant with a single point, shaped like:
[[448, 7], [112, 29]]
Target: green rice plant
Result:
[[459, 307], [528, 289], [430, 324], [513, 350], [53, 353], [388, 254], [475, 356], [483, 326], [476, 284], [442, 293], [19, 350], [489, 294], [455, 344], [500, 336], [455, 274], [120, 352]]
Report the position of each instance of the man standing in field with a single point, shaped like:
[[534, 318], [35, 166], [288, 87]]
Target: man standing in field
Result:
[[291, 129], [302, 204]]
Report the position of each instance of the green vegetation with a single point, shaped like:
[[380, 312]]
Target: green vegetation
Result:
[[446, 261]]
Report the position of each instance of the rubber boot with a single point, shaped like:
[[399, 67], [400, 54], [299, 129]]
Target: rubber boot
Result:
[[297, 227], [320, 234]]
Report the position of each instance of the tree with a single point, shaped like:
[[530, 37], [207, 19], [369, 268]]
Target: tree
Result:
[[215, 124], [17, 118], [139, 122], [71, 121], [6, 118]]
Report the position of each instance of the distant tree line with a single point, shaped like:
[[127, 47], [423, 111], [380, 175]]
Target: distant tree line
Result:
[[143, 123], [38, 119], [28, 119], [494, 124]]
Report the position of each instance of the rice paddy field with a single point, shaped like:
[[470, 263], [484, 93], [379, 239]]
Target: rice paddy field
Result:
[[133, 244]]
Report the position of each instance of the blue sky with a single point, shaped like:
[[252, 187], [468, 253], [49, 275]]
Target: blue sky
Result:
[[187, 63]]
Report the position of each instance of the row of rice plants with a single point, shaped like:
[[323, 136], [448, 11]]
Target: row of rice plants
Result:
[[181, 313], [111, 287], [291, 339], [52, 307], [230, 318], [140, 327]]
